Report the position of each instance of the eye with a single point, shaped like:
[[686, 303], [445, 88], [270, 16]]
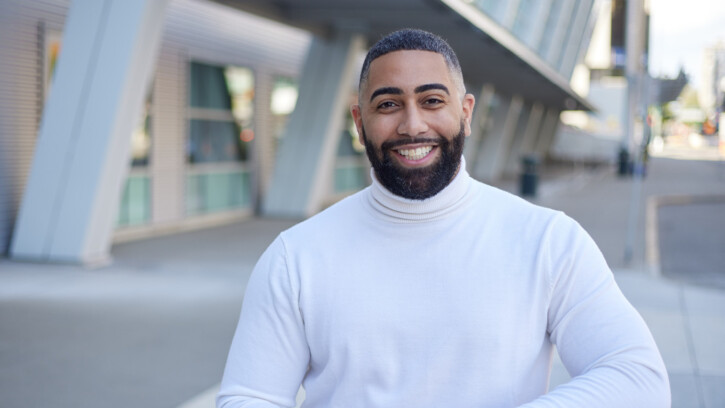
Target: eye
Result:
[[432, 101], [387, 105]]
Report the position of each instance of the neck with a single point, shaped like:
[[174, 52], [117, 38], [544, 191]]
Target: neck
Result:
[[401, 209]]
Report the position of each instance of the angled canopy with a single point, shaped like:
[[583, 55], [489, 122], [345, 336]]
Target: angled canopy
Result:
[[488, 53]]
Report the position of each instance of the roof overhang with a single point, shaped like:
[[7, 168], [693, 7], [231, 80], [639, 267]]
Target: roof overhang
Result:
[[488, 53]]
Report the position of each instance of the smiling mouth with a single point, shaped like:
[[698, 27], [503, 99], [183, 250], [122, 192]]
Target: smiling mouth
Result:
[[415, 154]]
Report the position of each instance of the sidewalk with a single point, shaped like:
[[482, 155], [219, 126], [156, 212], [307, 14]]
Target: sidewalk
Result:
[[687, 314], [153, 328]]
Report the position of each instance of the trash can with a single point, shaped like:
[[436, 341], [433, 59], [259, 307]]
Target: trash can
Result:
[[623, 161], [530, 176]]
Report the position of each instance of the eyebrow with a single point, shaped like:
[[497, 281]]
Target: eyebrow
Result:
[[428, 87], [397, 91], [386, 90]]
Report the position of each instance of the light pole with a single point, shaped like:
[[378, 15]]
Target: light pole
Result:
[[635, 115], [721, 119]]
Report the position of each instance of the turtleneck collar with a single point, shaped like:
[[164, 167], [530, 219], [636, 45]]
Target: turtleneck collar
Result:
[[401, 209]]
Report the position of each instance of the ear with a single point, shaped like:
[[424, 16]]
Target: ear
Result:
[[468, 103], [357, 117]]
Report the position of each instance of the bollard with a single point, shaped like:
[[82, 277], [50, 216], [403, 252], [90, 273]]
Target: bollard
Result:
[[529, 177]]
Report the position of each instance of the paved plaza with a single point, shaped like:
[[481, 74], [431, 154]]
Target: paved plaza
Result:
[[153, 328]]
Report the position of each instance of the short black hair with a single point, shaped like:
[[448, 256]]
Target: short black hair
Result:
[[412, 39]]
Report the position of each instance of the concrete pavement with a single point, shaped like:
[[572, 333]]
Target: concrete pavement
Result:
[[676, 274], [153, 328], [150, 330]]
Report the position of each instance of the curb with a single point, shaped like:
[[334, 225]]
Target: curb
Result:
[[652, 248]]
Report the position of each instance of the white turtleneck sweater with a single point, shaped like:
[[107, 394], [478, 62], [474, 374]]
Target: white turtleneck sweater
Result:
[[452, 301]]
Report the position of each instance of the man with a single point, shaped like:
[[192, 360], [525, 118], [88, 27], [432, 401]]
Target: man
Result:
[[430, 289]]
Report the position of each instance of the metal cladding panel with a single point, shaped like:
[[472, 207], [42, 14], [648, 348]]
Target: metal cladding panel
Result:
[[219, 34], [560, 30], [24, 27], [584, 38], [580, 22]]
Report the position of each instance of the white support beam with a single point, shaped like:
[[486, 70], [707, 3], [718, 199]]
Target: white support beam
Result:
[[495, 147], [82, 154], [305, 161], [479, 122], [515, 152], [533, 127], [549, 125]]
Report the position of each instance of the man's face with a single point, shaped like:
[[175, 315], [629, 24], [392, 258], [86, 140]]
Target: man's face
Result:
[[412, 121]]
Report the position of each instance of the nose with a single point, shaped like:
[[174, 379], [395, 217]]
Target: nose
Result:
[[413, 122]]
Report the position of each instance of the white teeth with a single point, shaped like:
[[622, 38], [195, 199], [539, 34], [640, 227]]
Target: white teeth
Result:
[[417, 153]]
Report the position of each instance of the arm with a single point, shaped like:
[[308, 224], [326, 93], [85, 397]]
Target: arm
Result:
[[602, 340], [269, 355]]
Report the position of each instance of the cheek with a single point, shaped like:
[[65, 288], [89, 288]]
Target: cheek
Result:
[[445, 123], [380, 128]]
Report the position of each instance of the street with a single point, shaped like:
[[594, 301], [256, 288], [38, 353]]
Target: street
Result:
[[153, 328]]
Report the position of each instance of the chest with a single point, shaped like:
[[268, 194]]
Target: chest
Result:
[[424, 297]]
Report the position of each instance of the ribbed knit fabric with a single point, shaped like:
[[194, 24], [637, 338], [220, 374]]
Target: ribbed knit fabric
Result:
[[399, 209], [454, 301]]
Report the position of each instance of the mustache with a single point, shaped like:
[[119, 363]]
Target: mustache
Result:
[[390, 144]]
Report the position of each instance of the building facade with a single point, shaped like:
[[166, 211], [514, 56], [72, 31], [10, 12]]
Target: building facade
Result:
[[602, 75], [219, 74], [126, 119], [712, 90]]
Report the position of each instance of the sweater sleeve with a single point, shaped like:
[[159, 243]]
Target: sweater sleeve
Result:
[[269, 354], [601, 339]]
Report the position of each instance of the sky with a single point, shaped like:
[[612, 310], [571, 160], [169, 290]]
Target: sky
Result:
[[679, 32]]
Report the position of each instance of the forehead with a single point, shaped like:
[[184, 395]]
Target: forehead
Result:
[[407, 69]]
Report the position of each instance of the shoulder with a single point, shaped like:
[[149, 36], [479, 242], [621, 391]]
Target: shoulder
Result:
[[512, 210], [331, 221], [562, 248], [522, 223]]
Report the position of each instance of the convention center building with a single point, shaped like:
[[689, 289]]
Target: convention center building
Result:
[[126, 119]]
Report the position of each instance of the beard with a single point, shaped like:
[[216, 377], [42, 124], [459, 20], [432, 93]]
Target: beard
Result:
[[416, 183]]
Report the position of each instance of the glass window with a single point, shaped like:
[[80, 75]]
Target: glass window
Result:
[[221, 101], [494, 8], [216, 190], [284, 96], [283, 102], [135, 200], [215, 141], [240, 86], [524, 20], [351, 165], [550, 28], [135, 208], [568, 41], [209, 87], [141, 136], [221, 112]]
